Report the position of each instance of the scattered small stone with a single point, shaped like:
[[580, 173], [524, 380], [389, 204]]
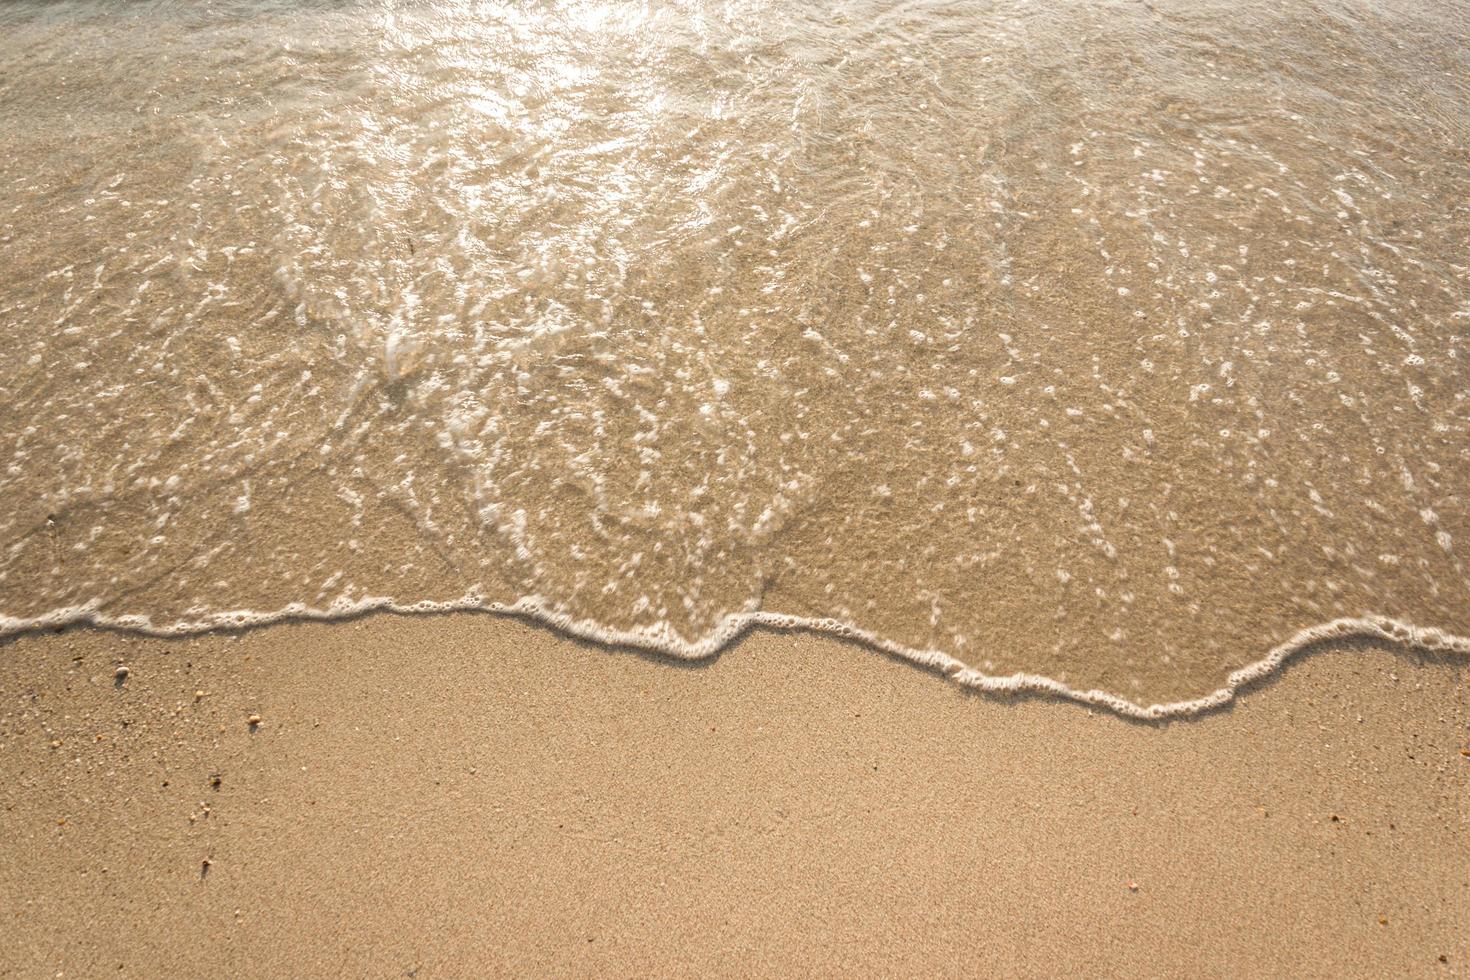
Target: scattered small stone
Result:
[[204, 867], [253, 721], [1133, 886], [200, 695], [1383, 920], [214, 781], [120, 676], [56, 743]]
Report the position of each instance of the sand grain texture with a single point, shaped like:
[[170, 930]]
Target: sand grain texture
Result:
[[462, 795]]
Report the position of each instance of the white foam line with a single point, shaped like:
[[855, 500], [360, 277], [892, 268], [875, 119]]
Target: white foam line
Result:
[[665, 640]]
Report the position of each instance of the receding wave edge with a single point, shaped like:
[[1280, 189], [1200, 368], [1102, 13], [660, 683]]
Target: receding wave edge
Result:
[[668, 642]]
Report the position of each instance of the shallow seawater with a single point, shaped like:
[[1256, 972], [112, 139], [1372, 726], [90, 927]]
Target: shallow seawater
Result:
[[1110, 342]]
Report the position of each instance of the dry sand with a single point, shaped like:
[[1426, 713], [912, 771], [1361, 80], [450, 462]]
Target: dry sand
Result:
[[456, 796]]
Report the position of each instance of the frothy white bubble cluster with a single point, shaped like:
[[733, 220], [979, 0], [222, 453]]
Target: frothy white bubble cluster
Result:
[[666, 641]]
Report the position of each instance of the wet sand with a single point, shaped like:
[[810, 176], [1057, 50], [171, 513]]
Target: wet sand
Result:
[[447, 796]]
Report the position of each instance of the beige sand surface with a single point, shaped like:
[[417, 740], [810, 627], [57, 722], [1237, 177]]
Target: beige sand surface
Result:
[[457, 796]]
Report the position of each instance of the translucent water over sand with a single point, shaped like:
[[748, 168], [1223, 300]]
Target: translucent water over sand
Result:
[[1116, 344]]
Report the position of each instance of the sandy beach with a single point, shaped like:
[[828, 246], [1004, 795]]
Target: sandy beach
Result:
[[1110, 350], [471, 795]]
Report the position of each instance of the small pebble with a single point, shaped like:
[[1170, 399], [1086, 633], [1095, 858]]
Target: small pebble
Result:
[[1133, 886], [253, 721], [121, 675]]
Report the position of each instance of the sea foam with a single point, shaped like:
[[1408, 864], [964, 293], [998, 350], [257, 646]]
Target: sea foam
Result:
[[665, 641]]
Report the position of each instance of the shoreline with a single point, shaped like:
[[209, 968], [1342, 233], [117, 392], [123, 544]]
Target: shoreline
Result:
[[442, 794], [735, 627]]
